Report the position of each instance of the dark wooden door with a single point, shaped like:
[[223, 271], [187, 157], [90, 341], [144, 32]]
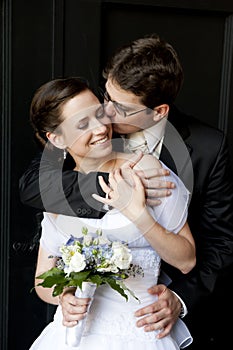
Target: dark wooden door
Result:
[[44, 39]]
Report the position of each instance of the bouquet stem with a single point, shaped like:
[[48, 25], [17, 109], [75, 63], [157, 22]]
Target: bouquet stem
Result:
[[74, 334]]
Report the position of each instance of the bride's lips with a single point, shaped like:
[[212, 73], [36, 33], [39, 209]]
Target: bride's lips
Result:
[[100, 141]]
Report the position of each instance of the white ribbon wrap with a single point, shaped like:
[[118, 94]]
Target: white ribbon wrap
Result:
[[74, 334]]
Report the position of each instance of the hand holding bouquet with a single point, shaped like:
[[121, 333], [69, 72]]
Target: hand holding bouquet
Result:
[[88, 262]]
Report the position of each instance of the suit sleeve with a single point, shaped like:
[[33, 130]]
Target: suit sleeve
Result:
[[50, 186], [212, 227]]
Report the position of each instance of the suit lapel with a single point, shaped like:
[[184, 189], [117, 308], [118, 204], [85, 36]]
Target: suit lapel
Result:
[[176, 150]]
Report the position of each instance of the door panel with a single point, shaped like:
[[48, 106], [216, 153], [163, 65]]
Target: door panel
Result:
[[53, 38]]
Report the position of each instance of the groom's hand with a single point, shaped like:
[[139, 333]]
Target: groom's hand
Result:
[[155, 185], [162, 314]]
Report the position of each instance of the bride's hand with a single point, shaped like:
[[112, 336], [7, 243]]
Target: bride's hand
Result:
[[152, 177], [126, 193], [73, 309]]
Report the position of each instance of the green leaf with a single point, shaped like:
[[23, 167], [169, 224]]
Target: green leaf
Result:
[[115, 285], [50, 281], [121, 283], [80, 276], [58, 289], [98, 280], [52, 272]]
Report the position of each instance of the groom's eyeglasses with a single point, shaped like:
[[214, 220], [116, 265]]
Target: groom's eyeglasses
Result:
[[120, 109]]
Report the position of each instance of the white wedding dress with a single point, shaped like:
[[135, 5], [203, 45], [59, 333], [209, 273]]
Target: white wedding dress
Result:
[[110, 323]]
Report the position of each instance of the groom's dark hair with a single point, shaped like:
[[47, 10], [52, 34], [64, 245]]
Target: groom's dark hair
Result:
[[149, 67]]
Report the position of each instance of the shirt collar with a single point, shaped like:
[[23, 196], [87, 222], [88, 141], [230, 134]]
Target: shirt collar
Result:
[[154, 134]]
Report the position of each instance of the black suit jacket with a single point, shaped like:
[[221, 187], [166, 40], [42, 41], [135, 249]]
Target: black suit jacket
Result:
[[208, 176], [210, 215]]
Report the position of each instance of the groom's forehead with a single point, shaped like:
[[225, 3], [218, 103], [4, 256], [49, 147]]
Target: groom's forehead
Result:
[[119, 94]]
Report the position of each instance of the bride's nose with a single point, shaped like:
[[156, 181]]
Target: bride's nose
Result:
[[98, 128]]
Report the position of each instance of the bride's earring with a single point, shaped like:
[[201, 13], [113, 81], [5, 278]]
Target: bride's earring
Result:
[[64, 154]]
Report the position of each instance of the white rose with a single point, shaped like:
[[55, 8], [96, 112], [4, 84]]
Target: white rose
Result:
[[121, 255], [68, 252], [77, 263]]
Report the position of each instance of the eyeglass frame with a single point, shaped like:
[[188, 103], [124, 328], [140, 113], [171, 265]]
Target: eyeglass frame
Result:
[[106, 97]]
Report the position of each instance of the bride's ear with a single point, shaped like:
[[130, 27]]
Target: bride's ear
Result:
[[56, 140]]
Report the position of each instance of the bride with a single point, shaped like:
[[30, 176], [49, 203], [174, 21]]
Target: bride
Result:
[[69, 115]]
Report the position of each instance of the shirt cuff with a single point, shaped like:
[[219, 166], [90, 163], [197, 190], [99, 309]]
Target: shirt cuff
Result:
[[184, 310]]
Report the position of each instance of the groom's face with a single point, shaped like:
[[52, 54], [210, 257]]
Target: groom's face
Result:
[[127, 113]]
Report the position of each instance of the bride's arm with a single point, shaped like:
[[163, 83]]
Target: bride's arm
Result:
[[73, 309], [176, 249], [44, 263]]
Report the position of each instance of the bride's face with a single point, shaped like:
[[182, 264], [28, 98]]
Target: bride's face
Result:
[[86, 130]]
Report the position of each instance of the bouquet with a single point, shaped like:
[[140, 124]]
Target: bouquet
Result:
[[87, 263]]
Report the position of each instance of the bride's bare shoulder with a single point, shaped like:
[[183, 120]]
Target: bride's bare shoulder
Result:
[[148, 162]]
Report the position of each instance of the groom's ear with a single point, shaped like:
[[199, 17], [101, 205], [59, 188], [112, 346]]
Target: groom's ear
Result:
[[56, 140], [160, 112]]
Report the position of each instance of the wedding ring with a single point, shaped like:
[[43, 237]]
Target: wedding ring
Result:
[[107, 194]]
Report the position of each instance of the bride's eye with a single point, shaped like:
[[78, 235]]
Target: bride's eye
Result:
[[83, 124]]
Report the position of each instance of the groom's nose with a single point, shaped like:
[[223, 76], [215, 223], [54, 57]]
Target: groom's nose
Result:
[[109, 109]]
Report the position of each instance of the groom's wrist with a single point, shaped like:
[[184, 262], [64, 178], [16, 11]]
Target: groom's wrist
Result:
[[183, 310]]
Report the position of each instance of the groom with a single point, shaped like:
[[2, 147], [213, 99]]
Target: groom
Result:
[[147, 73]]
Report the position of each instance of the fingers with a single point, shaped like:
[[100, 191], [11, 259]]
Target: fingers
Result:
[[73, 309], [157, 289], [151, 323], [116, 177], [156, 183], [160, 315], [118, 184], [101, 199], [152, 308], [157, 193], [153, 202], [156, 318], [136, 157], [153, 173], [106, 188], [137, 181], [159, 320], [165, 331], [73, 314]]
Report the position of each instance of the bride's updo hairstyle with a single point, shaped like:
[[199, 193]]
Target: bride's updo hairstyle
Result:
[[47, 103]]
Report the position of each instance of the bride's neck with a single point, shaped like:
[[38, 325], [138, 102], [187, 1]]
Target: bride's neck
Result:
[[105, 164]]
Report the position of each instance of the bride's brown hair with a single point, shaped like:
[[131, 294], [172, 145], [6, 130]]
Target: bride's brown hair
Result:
[[47, 102]]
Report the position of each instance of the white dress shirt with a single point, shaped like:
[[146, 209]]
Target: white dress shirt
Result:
[[149, 141]]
